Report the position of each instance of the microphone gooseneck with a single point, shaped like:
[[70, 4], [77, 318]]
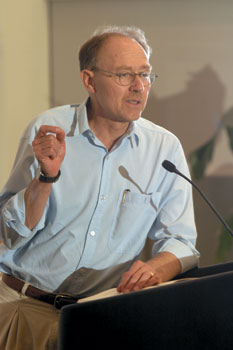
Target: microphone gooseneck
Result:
[[169, 166]]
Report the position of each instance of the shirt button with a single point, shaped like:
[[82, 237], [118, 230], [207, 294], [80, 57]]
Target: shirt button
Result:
[[102, 197], [92, 233]]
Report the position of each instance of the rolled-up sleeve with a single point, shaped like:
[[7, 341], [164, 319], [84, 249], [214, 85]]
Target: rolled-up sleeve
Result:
[[174, 229], [13, 231], [12, 221]]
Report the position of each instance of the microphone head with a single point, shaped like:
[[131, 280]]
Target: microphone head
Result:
[[169, 166]]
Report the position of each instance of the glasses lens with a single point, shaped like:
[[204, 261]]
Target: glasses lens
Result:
[[152, 78], [128, 78], [145, 78], [125, 78]]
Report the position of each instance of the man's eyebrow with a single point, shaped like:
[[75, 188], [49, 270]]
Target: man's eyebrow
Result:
[[147, 67]]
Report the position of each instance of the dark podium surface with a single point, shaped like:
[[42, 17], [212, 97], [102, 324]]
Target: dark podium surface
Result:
[[188, 314]]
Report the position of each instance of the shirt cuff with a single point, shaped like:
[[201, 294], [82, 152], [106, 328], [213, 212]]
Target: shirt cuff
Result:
[[14, 216], [187, 256]]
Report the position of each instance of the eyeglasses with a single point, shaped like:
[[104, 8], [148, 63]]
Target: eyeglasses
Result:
[[127, 78]]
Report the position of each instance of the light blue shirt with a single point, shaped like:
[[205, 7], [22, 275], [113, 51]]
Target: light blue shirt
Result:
[[102, 209]]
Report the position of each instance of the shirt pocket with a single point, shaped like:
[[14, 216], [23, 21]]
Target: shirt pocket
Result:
[[132, 221]]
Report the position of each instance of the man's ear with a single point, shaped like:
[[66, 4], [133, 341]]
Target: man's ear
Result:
[[87, 77]]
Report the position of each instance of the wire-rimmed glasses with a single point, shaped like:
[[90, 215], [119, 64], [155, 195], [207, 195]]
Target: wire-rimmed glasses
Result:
[[127, 78]]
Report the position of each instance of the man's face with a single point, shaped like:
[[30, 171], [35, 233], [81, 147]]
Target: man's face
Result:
[[110, 100]]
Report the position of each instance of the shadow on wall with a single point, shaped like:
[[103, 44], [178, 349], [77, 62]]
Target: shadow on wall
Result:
[[196, 115], [193, 114]]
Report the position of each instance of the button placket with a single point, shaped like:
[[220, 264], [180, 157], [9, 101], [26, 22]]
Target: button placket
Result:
[[94, 230]]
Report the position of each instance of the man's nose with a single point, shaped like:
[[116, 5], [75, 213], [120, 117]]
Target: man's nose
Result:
[[137, 84]]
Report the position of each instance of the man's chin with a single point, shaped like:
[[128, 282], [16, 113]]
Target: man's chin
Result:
[[131, 117], [127, 118]]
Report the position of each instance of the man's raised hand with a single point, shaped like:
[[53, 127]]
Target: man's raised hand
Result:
[[49, 148]]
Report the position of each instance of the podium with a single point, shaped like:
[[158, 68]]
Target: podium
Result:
[[195, 313]]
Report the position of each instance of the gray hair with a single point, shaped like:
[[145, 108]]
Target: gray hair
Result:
[[89, 50]]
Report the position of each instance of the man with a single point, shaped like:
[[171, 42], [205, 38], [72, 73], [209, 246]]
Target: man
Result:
[[87, 189]]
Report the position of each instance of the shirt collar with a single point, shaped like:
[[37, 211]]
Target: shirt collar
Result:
[[83, 125]]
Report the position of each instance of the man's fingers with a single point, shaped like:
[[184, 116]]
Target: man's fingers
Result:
[[130, 278], [138, 281], [48, 141], [49, 148], [45, 129], [123, 286], [146, 280], [139, 276], [60, 134]]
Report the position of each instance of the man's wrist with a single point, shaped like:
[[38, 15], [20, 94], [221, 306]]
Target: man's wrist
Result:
[[42, 177]]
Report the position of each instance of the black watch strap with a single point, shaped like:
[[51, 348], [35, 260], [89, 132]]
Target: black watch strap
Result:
[[47, 179]]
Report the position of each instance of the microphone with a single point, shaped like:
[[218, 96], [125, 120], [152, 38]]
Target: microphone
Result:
[[169, 166]]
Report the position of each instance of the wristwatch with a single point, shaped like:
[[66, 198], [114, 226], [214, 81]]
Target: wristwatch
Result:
[[43, 178]]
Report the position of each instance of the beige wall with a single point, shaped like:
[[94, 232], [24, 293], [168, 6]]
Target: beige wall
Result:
[[2, 141], [24, 72]]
